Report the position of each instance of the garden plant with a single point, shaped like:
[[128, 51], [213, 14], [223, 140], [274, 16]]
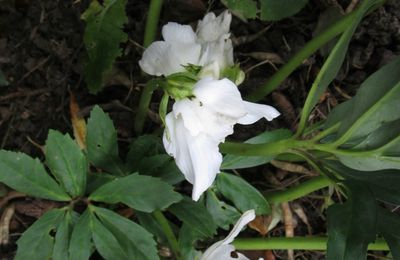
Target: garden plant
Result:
[[176, 192]]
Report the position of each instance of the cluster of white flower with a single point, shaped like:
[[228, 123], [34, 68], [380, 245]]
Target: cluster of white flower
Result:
[[199, 123]]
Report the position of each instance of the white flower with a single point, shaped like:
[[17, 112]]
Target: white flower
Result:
[[196, 126], [182, 46], [222, 250]]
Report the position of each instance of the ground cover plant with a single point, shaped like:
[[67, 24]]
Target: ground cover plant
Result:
[[195, 142]]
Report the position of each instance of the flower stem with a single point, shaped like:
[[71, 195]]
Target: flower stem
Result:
[[311, 47], [144, 103], [298, 191], [162, 220], [297, 243], [152, 22]]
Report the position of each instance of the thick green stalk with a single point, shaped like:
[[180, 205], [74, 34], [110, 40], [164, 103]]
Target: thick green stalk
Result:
[[311, 47], [144, 103], [152, 22], [159, 216], [297, 243], [298, 191]]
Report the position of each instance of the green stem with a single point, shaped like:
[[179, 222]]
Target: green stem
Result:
[[245, 149], [144, 103], [161, 219], [298, 191], [311, 47], [297, 243], [152, 22]]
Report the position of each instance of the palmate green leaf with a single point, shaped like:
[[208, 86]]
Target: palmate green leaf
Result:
[[63, 234], [135, 241], [67, 162], [333, 63], [140, 192], [195, 215], [148, 222], [105, 241], [25, 174], [223, 214], [36, 243], [147, 156], [248, 198], [103, 35], [352, 225], [101, 141], [389, 227], [385, 184], [80, 245], [273, 10], [238, 162]]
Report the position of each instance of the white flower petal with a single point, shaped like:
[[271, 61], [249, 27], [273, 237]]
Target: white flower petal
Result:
[[175, 33], [176, 145], [257, 111], [158, 59], [247, 217], [220, 51], [197, 157], [221, 96], [221, 250], [211, 28]]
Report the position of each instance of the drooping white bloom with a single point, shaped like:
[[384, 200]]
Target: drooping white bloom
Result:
[[197, 125], [222, 250], [210, 46]]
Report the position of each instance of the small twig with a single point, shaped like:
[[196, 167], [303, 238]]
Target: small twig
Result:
[[23, 93], [249, 38], [289, 227], [5, 224], [351, 6], [11, 195]]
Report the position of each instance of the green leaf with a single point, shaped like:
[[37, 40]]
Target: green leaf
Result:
[[61, 243], [66, 162], [250, 198], [142, 147], [389, 226], [138, 192], [148, 222], [223, 214], [105, 242], [147, 156], [96, 180], [80, 246], [273, 10], [27, 175], [103, 35], [352, 225], [187, 239], [101, 141], [374, 103], [381, 136], [36, 242], [245, 9], [385, 185], [136, 242], [3, 80], [332, 64], [161, 166], [238, 162], [370, 161], [195, 215]]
